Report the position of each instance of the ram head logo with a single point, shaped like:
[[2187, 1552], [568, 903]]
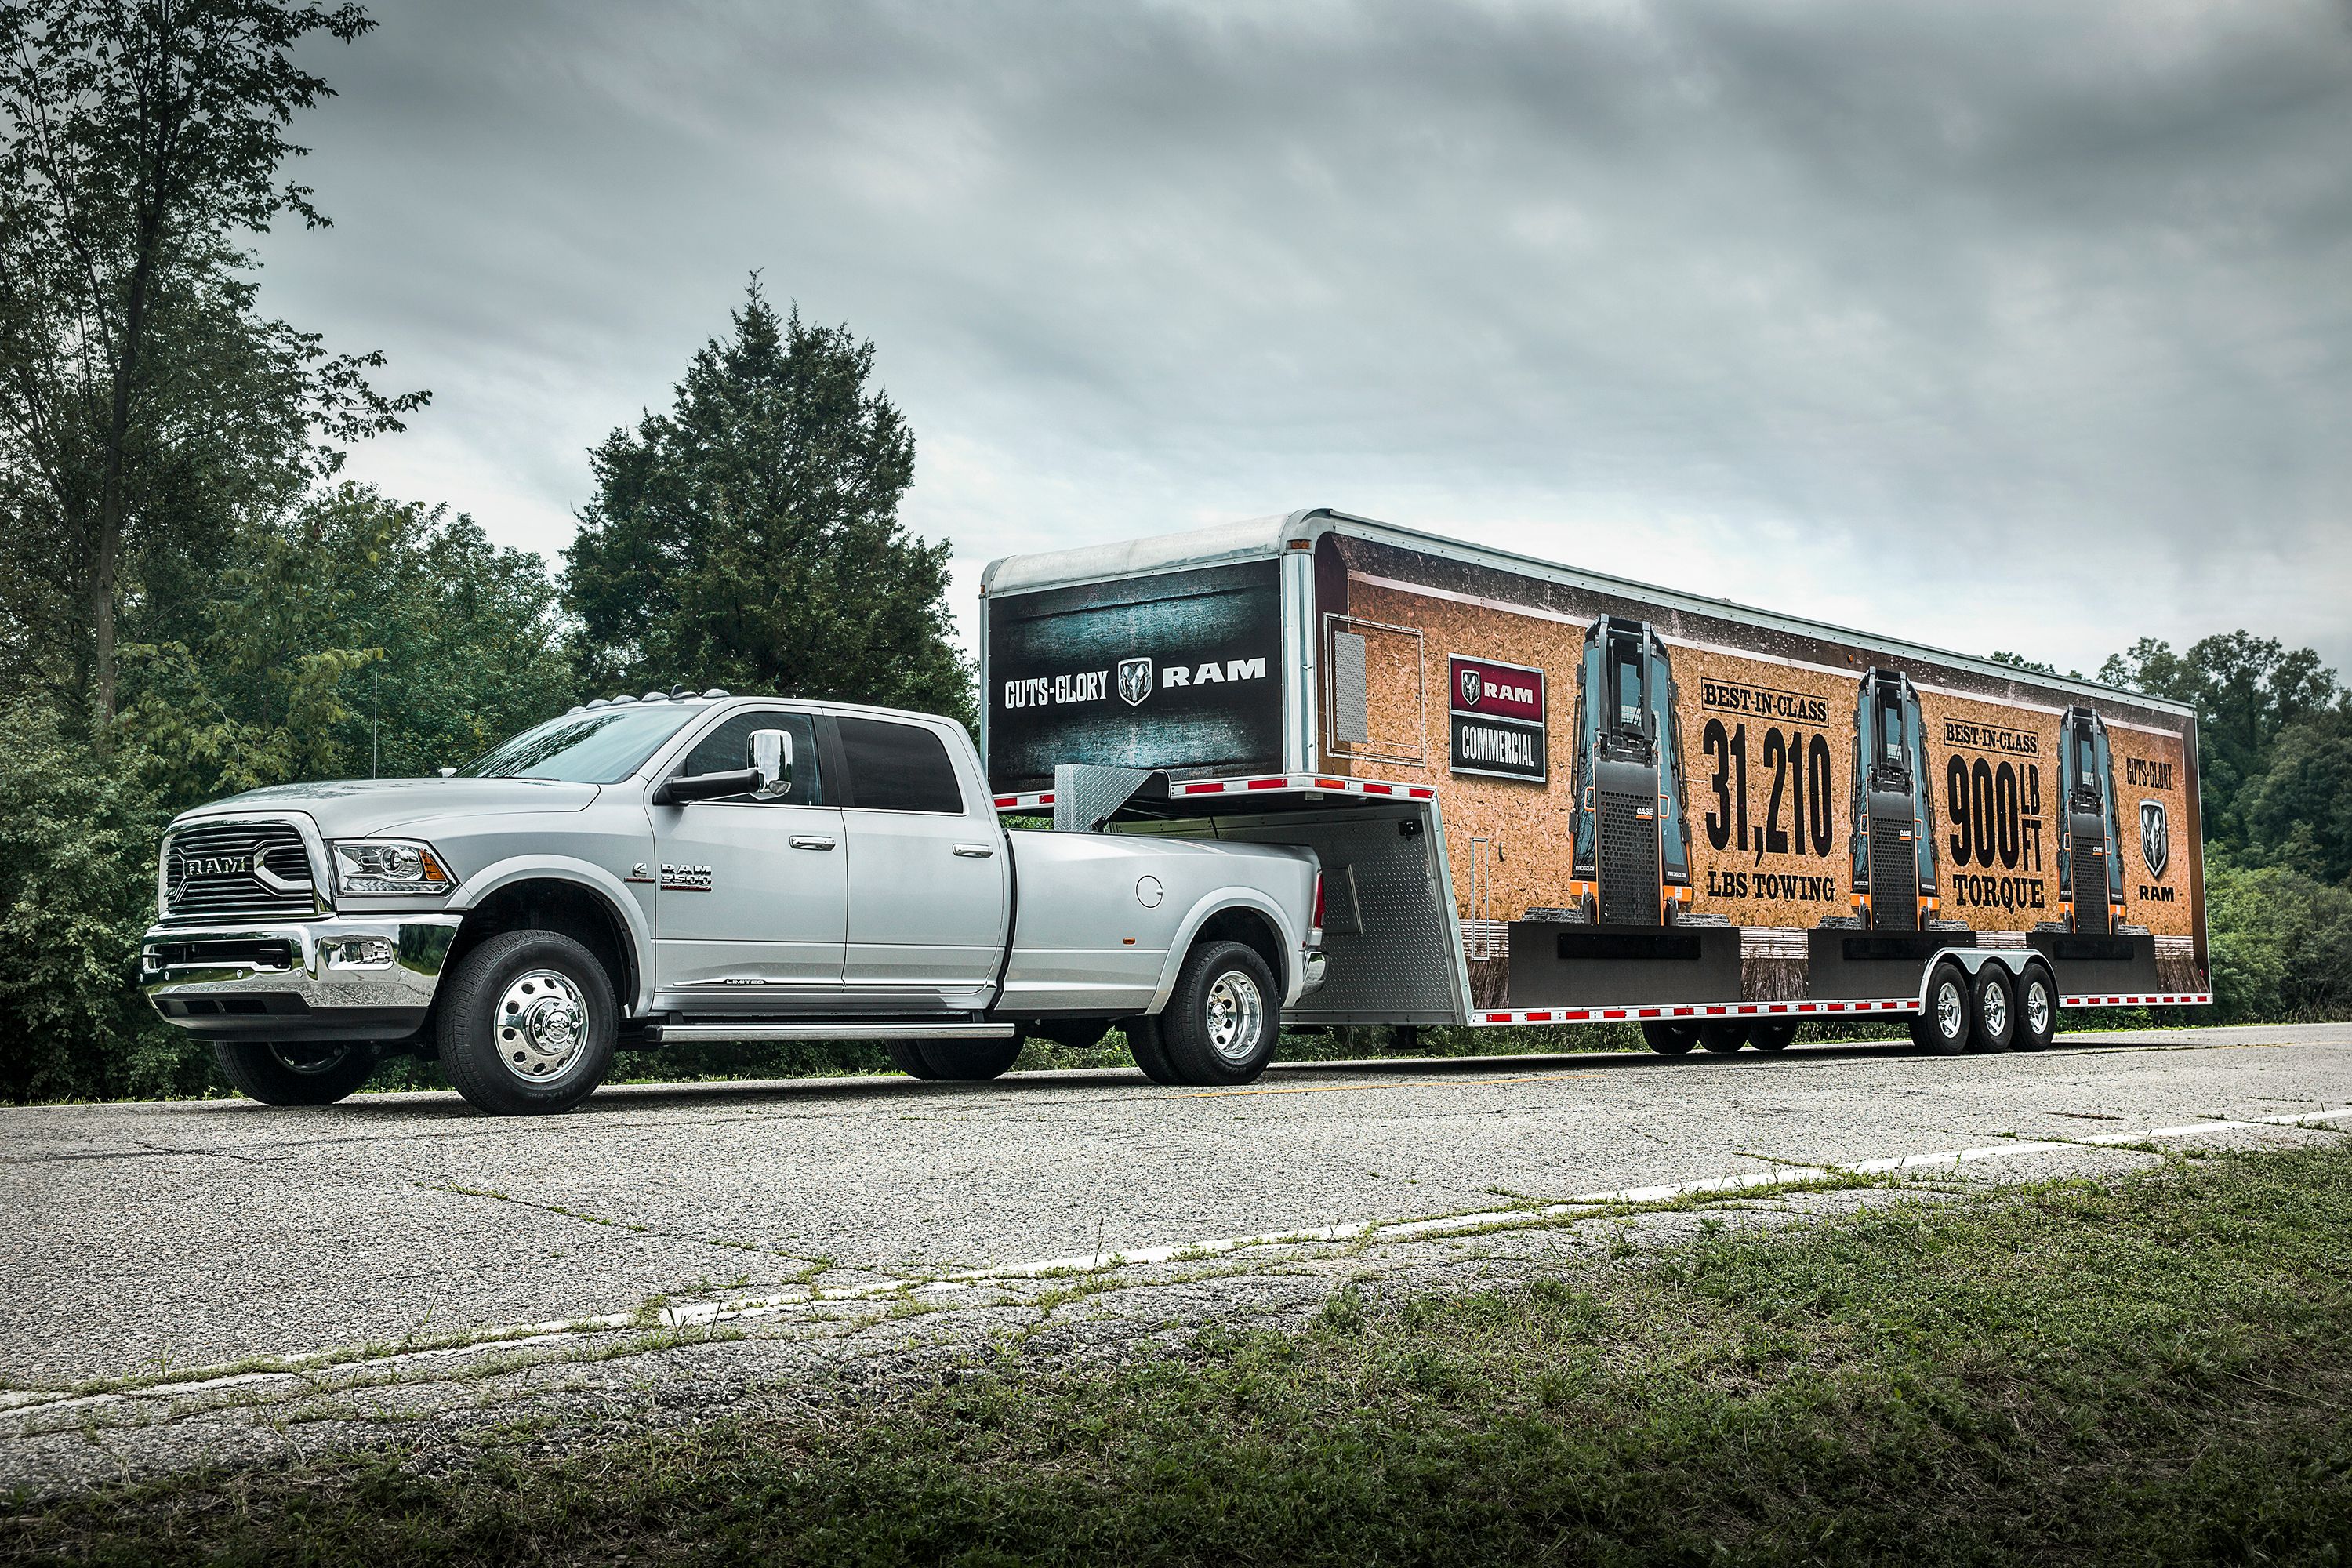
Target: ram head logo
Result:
[[1470, 688], [1134, 680], [2154, 836]]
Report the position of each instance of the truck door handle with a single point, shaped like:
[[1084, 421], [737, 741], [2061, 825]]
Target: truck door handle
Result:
[[811, 841], [975, 851]]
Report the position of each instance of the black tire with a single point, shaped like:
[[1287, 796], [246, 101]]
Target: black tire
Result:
[[908, 1056], [2037, 1019], [970, 1061], [1070, 1034], [1670, 1039], [1223, 1018], [1771, 1034], [1943, 1028], [287, 1072], [503, 1023], [1723, 1037], [1143, 1044], [1992, 1009]]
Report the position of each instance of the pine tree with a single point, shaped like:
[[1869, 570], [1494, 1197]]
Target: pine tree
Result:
[[750, 537]]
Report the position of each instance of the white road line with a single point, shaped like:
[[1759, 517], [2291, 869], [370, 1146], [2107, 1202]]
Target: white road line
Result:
[[714, 1313]]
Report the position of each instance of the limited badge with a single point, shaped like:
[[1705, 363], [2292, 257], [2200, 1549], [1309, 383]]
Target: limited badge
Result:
[[2154, 836], [1134, 680]]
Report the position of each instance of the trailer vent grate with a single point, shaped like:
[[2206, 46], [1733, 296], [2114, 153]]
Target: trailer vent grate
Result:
[[1629, 860], [1894, 881]]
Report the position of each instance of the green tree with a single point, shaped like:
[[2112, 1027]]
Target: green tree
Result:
[[353, 607], [2298, 811], [143, 404], [2248, 691], [750, 537]]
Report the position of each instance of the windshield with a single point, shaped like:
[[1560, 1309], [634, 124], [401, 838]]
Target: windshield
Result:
[[603, 747]]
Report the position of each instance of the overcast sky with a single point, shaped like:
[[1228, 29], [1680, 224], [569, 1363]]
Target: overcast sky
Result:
[[2022, 326]]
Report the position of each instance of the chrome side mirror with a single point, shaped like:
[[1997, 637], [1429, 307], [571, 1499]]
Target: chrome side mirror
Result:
[[771, 763]]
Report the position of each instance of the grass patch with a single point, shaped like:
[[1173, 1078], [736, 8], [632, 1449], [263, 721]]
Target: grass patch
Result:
[[2154, 1370]]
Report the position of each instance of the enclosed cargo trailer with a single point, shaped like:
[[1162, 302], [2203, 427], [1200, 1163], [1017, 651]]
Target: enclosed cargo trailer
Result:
[[1737, 816]]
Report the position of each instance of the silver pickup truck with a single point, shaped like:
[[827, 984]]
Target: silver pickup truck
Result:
[[678, 867]]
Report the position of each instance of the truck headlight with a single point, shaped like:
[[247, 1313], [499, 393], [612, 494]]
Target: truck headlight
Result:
[[402, 866]]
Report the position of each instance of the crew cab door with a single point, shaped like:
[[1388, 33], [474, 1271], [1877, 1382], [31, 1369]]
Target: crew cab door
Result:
[[753, 895], [928, 887]]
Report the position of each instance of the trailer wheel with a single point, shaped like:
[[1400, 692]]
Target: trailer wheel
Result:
[[970, 1061], [908, 1056], [1943, 1028], [1992, 1009], [1222, 1021], [2037, 1010], [285, 1072], [1771, 1034], [1143, 1044], [1724, 1038], [1673, 1039], [527, 1024]]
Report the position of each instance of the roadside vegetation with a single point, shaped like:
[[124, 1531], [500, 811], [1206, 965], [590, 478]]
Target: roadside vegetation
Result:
[[2157, 1370], [193, 603]]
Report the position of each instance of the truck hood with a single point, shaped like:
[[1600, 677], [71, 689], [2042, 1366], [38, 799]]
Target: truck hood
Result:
[[355, 808]]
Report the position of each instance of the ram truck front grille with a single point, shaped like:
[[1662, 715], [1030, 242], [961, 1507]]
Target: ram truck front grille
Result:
[[242, 870]]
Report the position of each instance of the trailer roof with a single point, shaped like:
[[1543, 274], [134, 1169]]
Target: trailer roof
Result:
[[1263, 537]]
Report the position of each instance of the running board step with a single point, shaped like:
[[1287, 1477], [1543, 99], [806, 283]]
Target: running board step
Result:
[[751, 1032]]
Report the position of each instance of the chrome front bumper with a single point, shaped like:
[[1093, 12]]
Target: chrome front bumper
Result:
[[335, 979]]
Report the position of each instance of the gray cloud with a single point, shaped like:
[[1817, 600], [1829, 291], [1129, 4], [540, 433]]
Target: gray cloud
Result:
[[2023, 325]]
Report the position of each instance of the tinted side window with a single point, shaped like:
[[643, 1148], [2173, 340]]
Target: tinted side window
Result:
[[899, 768], [729, 747]]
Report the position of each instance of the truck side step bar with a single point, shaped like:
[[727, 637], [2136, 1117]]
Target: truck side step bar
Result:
[[752, 1032]]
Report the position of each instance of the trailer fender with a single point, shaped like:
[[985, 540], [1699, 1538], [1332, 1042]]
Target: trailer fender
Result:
[[2011, 961], [1208, 907]]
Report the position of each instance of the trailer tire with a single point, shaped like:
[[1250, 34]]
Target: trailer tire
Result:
[[970, 1061], [1771, 1034], [1943, 1029], [1722, 1038], [908, 1056], [1673, 1039], [1223, 1018], [1992, 1010], [526, 1024], [2037, 1016], [287, 1072], [1143, 1044]]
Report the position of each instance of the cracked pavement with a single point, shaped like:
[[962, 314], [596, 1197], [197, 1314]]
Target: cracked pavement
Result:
[[148, 1240]]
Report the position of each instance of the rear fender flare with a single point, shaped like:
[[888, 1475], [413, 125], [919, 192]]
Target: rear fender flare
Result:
[[1208, 907]]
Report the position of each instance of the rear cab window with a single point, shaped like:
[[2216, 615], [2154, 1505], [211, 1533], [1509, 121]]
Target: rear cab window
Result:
[[899, 768]]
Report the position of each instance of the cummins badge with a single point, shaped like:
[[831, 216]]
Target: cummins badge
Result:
[[2154, 836], [1134, 680]]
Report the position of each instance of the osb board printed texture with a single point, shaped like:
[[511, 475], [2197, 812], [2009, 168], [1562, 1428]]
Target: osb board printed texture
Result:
[[1765, 865]]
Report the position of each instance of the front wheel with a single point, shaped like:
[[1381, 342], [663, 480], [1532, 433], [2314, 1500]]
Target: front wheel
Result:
[[1223, 1018], [284, 1072], [527, 1024]]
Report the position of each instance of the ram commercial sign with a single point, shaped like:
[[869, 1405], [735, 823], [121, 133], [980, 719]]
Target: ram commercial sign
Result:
[[1497, 719]]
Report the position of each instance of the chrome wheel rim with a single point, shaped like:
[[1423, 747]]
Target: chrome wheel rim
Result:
[[2037, 1008], [542, 1026], [310, 1060], [1996, 1010], [1951, 1012], [1236, 1015]]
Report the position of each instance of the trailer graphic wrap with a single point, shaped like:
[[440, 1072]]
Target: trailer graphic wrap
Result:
[[2151, 787], [1181, 670], [1992, 771], [1772, 771]]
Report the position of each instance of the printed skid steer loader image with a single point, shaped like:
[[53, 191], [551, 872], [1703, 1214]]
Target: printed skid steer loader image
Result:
[[2090, 864], [1632, 863], [1893, 810]]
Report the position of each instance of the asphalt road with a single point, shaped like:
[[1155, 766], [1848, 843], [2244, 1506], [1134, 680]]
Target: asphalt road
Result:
[[148, 1236]]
